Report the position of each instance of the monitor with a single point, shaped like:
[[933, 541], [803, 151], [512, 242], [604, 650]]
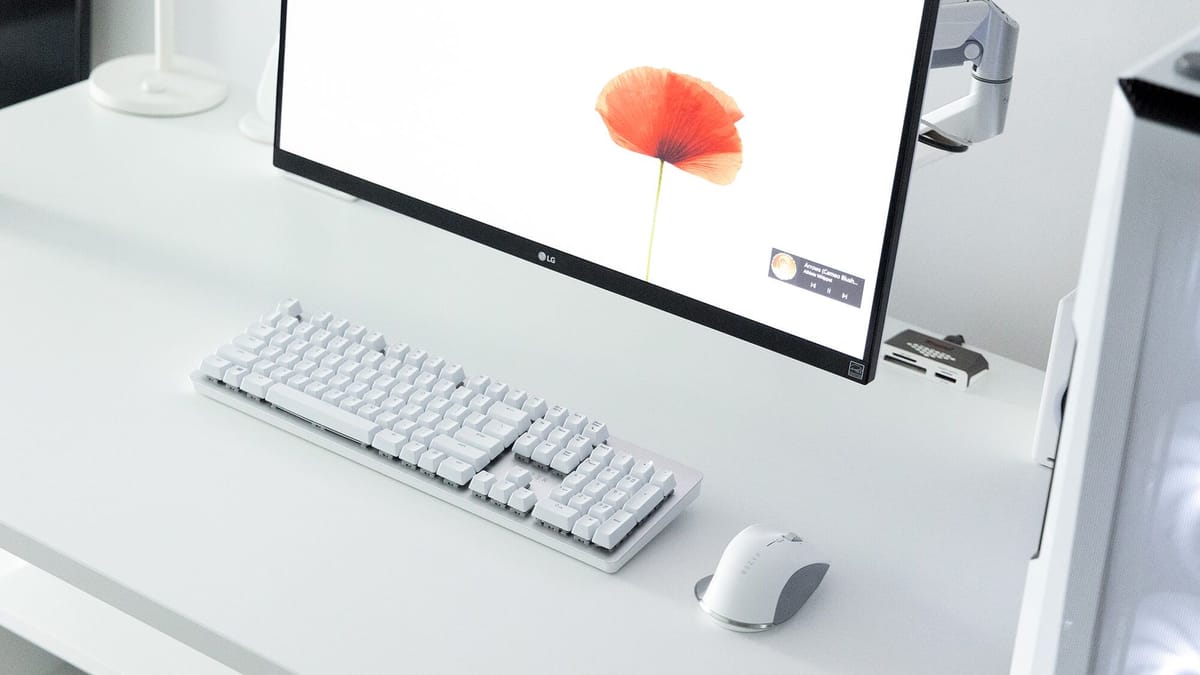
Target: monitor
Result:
[[742, 166]]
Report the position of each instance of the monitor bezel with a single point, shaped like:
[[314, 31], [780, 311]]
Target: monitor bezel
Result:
[[856, 369]]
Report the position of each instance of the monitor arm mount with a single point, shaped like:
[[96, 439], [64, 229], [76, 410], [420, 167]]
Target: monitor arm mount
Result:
[[980, 33]]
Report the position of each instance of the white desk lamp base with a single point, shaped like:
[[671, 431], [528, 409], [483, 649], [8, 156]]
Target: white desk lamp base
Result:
[[134, 84]]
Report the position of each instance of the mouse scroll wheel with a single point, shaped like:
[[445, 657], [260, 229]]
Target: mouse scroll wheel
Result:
[[792, 536]]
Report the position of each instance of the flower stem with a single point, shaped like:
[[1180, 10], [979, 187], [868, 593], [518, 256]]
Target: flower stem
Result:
[[654, 220]]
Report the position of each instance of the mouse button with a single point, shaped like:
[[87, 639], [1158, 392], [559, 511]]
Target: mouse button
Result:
[[702, 586], [798, 589], [792, 536]]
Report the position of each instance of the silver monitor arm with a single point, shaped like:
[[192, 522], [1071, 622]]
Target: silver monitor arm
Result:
[[980, 33]]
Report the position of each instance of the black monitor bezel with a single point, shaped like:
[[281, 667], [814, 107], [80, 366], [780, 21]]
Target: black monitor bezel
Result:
[[853, 368]]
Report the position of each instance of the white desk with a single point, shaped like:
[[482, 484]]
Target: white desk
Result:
[[131, 247]]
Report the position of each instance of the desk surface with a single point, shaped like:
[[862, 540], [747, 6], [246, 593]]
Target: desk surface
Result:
[[131, 247]]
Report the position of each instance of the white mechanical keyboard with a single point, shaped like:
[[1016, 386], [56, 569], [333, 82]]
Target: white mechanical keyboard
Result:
[[538, 469]]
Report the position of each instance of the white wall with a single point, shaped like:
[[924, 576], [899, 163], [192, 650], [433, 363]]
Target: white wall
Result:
[[992, 239], [234, 35]]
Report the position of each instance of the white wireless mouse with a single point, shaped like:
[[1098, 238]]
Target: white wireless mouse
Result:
[[765, 575]]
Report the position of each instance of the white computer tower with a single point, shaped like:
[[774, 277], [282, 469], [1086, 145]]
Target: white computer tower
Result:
[[1115, 587]]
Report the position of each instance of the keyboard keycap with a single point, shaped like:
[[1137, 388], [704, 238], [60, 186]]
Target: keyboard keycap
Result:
[[289, 307], [544, 453], [580, 445], [388, 442], [233, 376], [616, 498], [514, 417], [411, 452], [237, 356], [608, 476], [505, 432], [596, 490], [576, 481], [601, 511], [480, 441], [643, 470], [613, 530], [501, 491], [475, 458], [581, 503], [305, 330], [541, 429], [522, 500], [519, 477], [320, 412], [215, 366], [456, 471], [433, 365], [351, 404], [256, 384], [477, 384], [603, 454], [559, 515], [431, 460], [560, 494], [664, 479], [250, 343], [482, 483], [585, 528], [597, 432], [423, 435], [374, 340], [566, 461], [644, 501], [589, 467], [523, 446], [629, 484], [354, 333], [535, 406], [557, 414], [452, 372], [575, 422], [622, 462], [559, 437]]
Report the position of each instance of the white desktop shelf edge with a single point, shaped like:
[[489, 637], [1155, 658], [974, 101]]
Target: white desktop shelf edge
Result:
[[85, 632]]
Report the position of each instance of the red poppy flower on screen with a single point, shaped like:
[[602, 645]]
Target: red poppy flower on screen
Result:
[[679, 120]]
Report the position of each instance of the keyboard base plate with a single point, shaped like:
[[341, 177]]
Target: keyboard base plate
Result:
[[686, 490]]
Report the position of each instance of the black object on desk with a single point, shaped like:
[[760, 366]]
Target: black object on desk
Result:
[[44, 45]]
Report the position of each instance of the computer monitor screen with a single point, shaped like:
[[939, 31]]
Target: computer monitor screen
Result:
[[740, 165]]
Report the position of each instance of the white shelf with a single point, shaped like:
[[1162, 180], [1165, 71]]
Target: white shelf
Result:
[[85, 632]]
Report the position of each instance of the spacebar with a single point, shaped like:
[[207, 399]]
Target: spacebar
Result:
[[326, 414]]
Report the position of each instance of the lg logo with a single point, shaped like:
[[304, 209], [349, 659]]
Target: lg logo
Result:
[[545, 258]]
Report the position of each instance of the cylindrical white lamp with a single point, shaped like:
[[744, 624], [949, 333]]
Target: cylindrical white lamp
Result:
[[160, 84]]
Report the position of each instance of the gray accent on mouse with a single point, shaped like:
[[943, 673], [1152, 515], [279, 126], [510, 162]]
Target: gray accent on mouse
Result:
[[798, 589], [701, 587]]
